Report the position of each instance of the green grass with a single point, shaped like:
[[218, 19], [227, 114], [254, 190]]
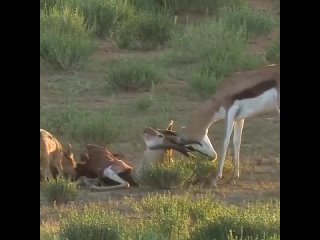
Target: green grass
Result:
[[132, 74], [147, 30], [65, 41], [144, 103], [104, 16], [60, 190], [219, 49], [48, 232], [273, 52], [101, 127], [256, 221], [255, 22], [181, 173], [200, 6], [93, 223], [167, 176], [170, 216]]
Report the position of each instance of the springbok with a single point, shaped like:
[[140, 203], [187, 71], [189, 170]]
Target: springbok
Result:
[[160, 144], [240, 96], [100, 164], [52, 155]]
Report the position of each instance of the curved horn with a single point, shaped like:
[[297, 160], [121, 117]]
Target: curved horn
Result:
[[185, 142], [176, 147], [167, 132]]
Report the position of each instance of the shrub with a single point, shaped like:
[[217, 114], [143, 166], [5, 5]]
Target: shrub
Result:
[[104, 15], [256, 22], [147, 30], [132, 74], [144, 103], [100, 127], [93, 223], [220, 50], [257, 221], [199, 6], [273, 52], [64, 39], [60, 190], [167, 175]]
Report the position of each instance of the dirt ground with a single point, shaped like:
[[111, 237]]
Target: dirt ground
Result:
[[260, 149]]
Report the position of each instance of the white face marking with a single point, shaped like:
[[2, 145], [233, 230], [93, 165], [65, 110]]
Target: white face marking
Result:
[[151, 141], [206, 148], [266, 102]]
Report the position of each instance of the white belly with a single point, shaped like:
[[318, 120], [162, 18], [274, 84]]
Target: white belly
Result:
[[266, 102]]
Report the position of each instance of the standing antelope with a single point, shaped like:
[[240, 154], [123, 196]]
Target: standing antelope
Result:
[[240, 96], [52, 155]]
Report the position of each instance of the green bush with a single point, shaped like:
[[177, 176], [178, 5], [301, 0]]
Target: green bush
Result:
[[256, 221], [144, 103], [167, 175], [273, 52], [93, 223], [182, 173], [99, 127], [256, 22], [64, 38], [199, 6], [132, 74], [60, 190], [219, 49], [148, 30], [103, 16]]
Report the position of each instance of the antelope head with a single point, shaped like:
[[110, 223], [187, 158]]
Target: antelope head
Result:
[[69, 163], [166, 139]]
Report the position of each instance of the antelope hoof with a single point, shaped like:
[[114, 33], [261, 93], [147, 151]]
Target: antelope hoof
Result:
[[233, 180], [216, 182]]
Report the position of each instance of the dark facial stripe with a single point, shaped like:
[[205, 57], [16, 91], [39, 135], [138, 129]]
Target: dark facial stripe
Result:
[[255, 91]]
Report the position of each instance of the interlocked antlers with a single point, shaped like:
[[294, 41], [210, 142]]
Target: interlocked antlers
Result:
[[171, 140]]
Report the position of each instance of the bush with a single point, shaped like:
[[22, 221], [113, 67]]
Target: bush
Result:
[[199, 6], [167, 175], [182, 173], [132, 74], [103, 16], [144, 103], [60, 190], [48, 232], [202, 217], [220, 50], [256, 22], [257, 221], [273, 52], [100, 127], [147, 30], [64, 39], [93, 223]]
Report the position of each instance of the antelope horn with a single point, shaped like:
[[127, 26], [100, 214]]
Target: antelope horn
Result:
[[176, 147], [185, 142], [167, 132]]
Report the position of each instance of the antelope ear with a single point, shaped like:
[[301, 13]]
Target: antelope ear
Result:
[[170, 126], [68, 150]]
